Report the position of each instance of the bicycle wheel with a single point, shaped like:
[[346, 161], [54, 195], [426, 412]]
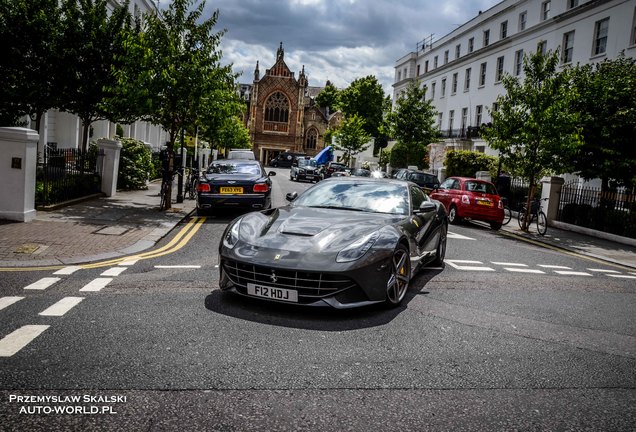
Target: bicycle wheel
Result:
[[193, 188], [164, 196], [520, 217], [542, 223], [507, 215]]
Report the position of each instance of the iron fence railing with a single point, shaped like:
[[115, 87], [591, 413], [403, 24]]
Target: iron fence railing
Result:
[[66, 174]]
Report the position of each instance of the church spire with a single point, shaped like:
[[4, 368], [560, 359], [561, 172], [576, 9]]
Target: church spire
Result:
[[280, 53], [257, 72]]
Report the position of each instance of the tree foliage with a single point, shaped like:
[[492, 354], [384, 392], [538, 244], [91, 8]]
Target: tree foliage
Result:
[[135, 164], [535, 128], [465, 163], [351, 137], [608, 121], [328, 97], [365, 98], [412, 124]]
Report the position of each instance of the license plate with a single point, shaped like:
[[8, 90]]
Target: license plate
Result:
[[281, 294], [483, 202], [231, 190], [310, 176]]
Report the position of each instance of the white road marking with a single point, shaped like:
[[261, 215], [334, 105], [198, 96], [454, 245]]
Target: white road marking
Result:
[[457, 236], [523, 270], [177, 266], [114, 271], [432, 268], [454, 263], [622, 276], [8, 301], [96, 284], [129, 262], [15, 341], [61, 307], [603, 270], [42, 284], [68, 270], [555, 267], [572, 273], [509, 264]]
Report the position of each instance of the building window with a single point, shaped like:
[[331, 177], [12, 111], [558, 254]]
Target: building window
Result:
[[433, 90], [399, 76], [418, 70], [518, 62], [503, 30], [458, 49], [451, 119], [444, 87], [542, 47], [439, 121], [464, 119], [633, 39], [426, 66], [277, 108], [495, 106], [545, 10], [573, 3], [482, 74], [600, 36], [454, 85], [471, 44], [568, 47], [479, 109], [312, 137], [445, 56], [523, 18], [435, 62], [486, 37], [500, 69], [467, 80]]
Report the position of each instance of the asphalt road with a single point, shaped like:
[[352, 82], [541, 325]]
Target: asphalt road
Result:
[[507, 336]]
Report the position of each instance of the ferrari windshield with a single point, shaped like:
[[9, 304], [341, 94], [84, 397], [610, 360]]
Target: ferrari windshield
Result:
[[369, 196]]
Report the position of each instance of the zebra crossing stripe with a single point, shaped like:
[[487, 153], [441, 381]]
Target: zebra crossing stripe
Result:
[[523, 270], [114, 271], [548, 266], [8, 301], [622, 276], [15, 341], [603, 270], [572, 273], [60, 308], [96, 284], [456, 264], [68, 270], [42, 284]]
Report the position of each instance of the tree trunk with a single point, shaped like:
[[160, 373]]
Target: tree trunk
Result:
[[86, 124]]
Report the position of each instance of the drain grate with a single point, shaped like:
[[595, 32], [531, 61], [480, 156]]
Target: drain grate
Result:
[[114, 231]]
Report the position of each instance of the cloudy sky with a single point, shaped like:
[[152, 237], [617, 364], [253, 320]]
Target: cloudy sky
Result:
[[336, 40]]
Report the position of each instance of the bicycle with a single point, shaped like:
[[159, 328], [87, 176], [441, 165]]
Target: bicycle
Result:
[[535, 212], [166, 183], [192, 183], [507, 211]]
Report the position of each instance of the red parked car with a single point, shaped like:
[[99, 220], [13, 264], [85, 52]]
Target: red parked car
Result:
[[470, 198]]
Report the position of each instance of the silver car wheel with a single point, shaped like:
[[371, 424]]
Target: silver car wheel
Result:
[[399, 278]]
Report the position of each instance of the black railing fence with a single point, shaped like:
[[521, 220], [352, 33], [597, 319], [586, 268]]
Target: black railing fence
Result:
[[515, 190], [608, 211], [66, 174]]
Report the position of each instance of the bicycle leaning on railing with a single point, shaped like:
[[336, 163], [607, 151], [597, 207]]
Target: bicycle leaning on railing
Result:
[[192, 183], [167, 178], [507, 212], [536, 215]]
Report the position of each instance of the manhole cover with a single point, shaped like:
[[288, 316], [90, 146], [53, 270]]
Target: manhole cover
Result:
[[26, 249], [112, 231]]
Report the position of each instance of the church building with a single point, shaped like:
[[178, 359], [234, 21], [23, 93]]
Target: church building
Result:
[[283, 115]]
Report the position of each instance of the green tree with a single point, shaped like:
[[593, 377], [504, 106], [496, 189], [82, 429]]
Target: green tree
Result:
[[92, 40], [535, 127], [233, 134], [412, 124], [365, 97], [351, 137], [608, 120], [172, 74], [463, 163], [328, 97], [30, 66]]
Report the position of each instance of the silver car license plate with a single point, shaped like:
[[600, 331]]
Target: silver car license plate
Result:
[[274, 293]]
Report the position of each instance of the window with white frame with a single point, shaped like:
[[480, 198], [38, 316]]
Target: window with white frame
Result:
[[471, 44], [451, 119], [440, 117], [500, 69], [445, 56], [486, 37], [545, 10], [523, 19], [458, 49], [542, 47], [495, 106], [479, 109], [482, 74], [601, 29], [464, 119], [454, 84], [467, 80], [425, 66], [435, 62], [433, 90], [573, 3], [503, 30], [418, 71], [633, 38], [399, 76], [568, 47], [443, 87], [518, 62]]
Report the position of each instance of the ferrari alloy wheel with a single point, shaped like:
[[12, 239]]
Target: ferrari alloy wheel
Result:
[[441, 247], [399, 277]]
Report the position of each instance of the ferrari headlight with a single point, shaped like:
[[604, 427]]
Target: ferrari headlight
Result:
[[232, 235], [358, 248]]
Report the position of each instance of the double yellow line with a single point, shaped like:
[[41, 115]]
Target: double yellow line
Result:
[[180, 240]]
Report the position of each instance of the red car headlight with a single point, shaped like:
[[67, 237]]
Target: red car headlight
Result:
[[261, 187]]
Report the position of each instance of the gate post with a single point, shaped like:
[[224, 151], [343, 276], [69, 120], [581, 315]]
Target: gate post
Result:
[[18, 165], [110, 165], [551, 189]]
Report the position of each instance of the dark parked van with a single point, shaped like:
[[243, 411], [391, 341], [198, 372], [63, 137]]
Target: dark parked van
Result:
[[285, 159]]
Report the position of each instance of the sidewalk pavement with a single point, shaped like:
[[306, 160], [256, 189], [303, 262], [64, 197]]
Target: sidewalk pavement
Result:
[[130, 222], [96, 229]]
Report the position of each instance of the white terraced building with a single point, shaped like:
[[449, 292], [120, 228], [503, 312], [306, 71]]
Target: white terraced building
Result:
[[64, 130], [462, 70]]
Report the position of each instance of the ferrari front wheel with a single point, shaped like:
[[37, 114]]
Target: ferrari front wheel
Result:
[[399, 276]]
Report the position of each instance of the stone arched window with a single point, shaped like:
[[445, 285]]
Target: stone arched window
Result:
[[277, 108], [310, 139]]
